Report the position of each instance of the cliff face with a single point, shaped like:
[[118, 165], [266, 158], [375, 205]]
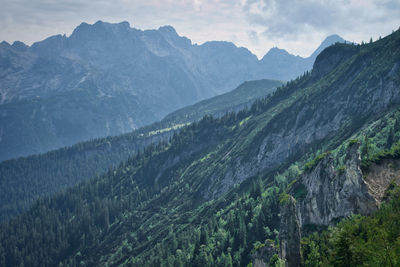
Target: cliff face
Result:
[[323, 193], [379, 176], [289, 234], [324, 196], [262, 256]]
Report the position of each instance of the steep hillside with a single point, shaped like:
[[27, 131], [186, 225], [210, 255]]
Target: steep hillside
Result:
[[233, 101], [186, 202], [108, 79], [23, 180]]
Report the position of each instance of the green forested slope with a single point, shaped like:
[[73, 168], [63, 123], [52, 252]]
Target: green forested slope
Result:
[[25, 179], [235, 100], [206, 197]]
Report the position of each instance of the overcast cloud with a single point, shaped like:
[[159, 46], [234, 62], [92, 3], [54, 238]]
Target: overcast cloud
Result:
[[297, 26]]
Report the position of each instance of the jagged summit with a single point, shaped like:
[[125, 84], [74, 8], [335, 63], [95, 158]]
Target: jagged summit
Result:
[[19, 46], [280, 63], [4, 44], [330, 40], [98, 27], [275, 53], [167, 29]]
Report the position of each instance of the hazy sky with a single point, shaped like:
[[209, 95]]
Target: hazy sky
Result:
[[297, 26]]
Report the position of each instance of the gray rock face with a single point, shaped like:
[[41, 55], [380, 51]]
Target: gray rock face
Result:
[[329, 195], [108, 79], [262, 256], [379, 176], [324, 196], [289, 234]]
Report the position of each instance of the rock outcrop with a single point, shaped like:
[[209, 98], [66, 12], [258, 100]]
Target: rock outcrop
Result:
[[289, 234], [262, 256], [328, 194], [379, 176], [323, 195]]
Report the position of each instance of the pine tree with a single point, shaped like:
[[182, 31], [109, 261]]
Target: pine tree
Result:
[[365, 148], [313, 259], [203, 236], [390, 139], [229, 261], [396, 126]]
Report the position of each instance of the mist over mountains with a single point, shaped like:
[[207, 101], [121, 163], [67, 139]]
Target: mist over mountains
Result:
[[107, 79]]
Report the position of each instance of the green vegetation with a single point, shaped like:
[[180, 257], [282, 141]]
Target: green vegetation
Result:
[[359, 241], [341, 169], [300, 192], [284, 198], [352, 142], [24, 180], [168, 129], [235, 100], [311, 164], [393, 152]]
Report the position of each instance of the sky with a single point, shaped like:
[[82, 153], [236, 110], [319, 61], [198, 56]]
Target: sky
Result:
[[297, 26]]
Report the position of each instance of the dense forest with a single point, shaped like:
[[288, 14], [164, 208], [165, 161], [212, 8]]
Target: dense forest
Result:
[[24, 180], [211, 194], [359, 240]]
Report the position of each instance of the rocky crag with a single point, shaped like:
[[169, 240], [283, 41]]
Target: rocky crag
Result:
[[323, 195]]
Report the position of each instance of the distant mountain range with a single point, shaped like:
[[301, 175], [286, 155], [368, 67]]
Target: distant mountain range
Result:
[[279, 64], [107, 79]]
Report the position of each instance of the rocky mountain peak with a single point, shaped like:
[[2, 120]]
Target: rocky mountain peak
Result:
[[275, 53], [168, 29], [4, 44], [330, 40], [170, 34], [19, 46], [100, 31]]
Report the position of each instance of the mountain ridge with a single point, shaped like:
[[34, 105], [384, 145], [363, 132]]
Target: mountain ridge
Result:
[[108, 79]]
